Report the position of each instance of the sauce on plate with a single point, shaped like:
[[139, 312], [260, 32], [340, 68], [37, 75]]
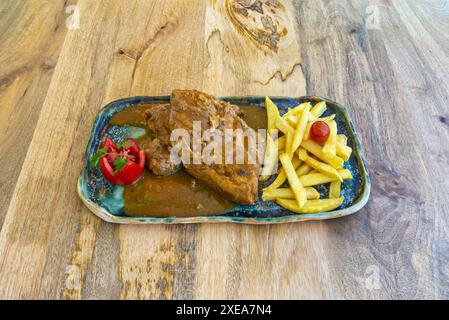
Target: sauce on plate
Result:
[[179, 194]]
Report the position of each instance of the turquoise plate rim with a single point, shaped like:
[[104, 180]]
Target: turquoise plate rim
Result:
[[103, 213]]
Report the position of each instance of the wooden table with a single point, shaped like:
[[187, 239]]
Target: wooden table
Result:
[[387, 60]]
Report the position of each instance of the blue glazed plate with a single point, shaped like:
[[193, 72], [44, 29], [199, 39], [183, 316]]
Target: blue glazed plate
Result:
[[106, 200]]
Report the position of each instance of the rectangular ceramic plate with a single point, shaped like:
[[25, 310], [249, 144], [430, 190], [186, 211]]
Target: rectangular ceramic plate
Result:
[[106, 200]]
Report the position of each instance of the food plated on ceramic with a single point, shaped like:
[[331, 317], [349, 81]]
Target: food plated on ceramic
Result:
[[192, 157], [311, 154]]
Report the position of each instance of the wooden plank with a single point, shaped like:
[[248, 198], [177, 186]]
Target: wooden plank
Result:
[[44, 226], [257, 262], [239, 62], [381, 75], [391, 75], [159, 262], [28, 59]]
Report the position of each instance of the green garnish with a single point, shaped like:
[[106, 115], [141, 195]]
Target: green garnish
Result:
[[95, 160], [124, 144], [119, 163]]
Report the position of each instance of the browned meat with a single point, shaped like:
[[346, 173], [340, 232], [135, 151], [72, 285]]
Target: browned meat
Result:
[[237, 182], [158, 157], [157, 147]]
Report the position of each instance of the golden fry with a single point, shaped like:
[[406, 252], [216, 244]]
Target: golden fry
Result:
[[313, 179], [287, 193], [292, 120], [302, 154], [283, 126], [343, 151], [295, 111], [341, 138], [288, 144], [295, 184], [270, 159], [323, 168], [335, 189], [317, 110], [281, 142], [296, 162], [303, 170], [300, 129], [280, 179], [315, 149], [272, 113], [311, 206], [330, 147], [292, 116]]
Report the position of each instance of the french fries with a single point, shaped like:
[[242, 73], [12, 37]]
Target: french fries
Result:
[[303, 170], [280, 179], [330, 147], [288, 144], [343, 151], [302, 154], [311, 206], [313, 179], [300, 129], [318, 110], [295, 111], [296, 186], [283, 126], [334, 189], [315, 149], [292, 116], [270, 159], [304, 162], [281, 142], [287, 193], [341, 138], [322, 167], [292, 120], [272, 114]]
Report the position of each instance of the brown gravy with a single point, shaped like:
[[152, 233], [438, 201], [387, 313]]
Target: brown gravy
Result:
[[175, 195], [179, 194]]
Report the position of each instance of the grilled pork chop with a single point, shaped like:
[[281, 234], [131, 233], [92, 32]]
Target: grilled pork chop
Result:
[[237, 182]]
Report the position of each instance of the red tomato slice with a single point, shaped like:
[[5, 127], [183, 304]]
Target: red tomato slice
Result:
[[133, 148], [111, 149], [132, 170]]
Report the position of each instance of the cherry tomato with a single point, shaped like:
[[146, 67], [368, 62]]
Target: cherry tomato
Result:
[[319, 131]]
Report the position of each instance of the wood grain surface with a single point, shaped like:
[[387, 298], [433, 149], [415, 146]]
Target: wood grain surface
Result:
[[386, 60]]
